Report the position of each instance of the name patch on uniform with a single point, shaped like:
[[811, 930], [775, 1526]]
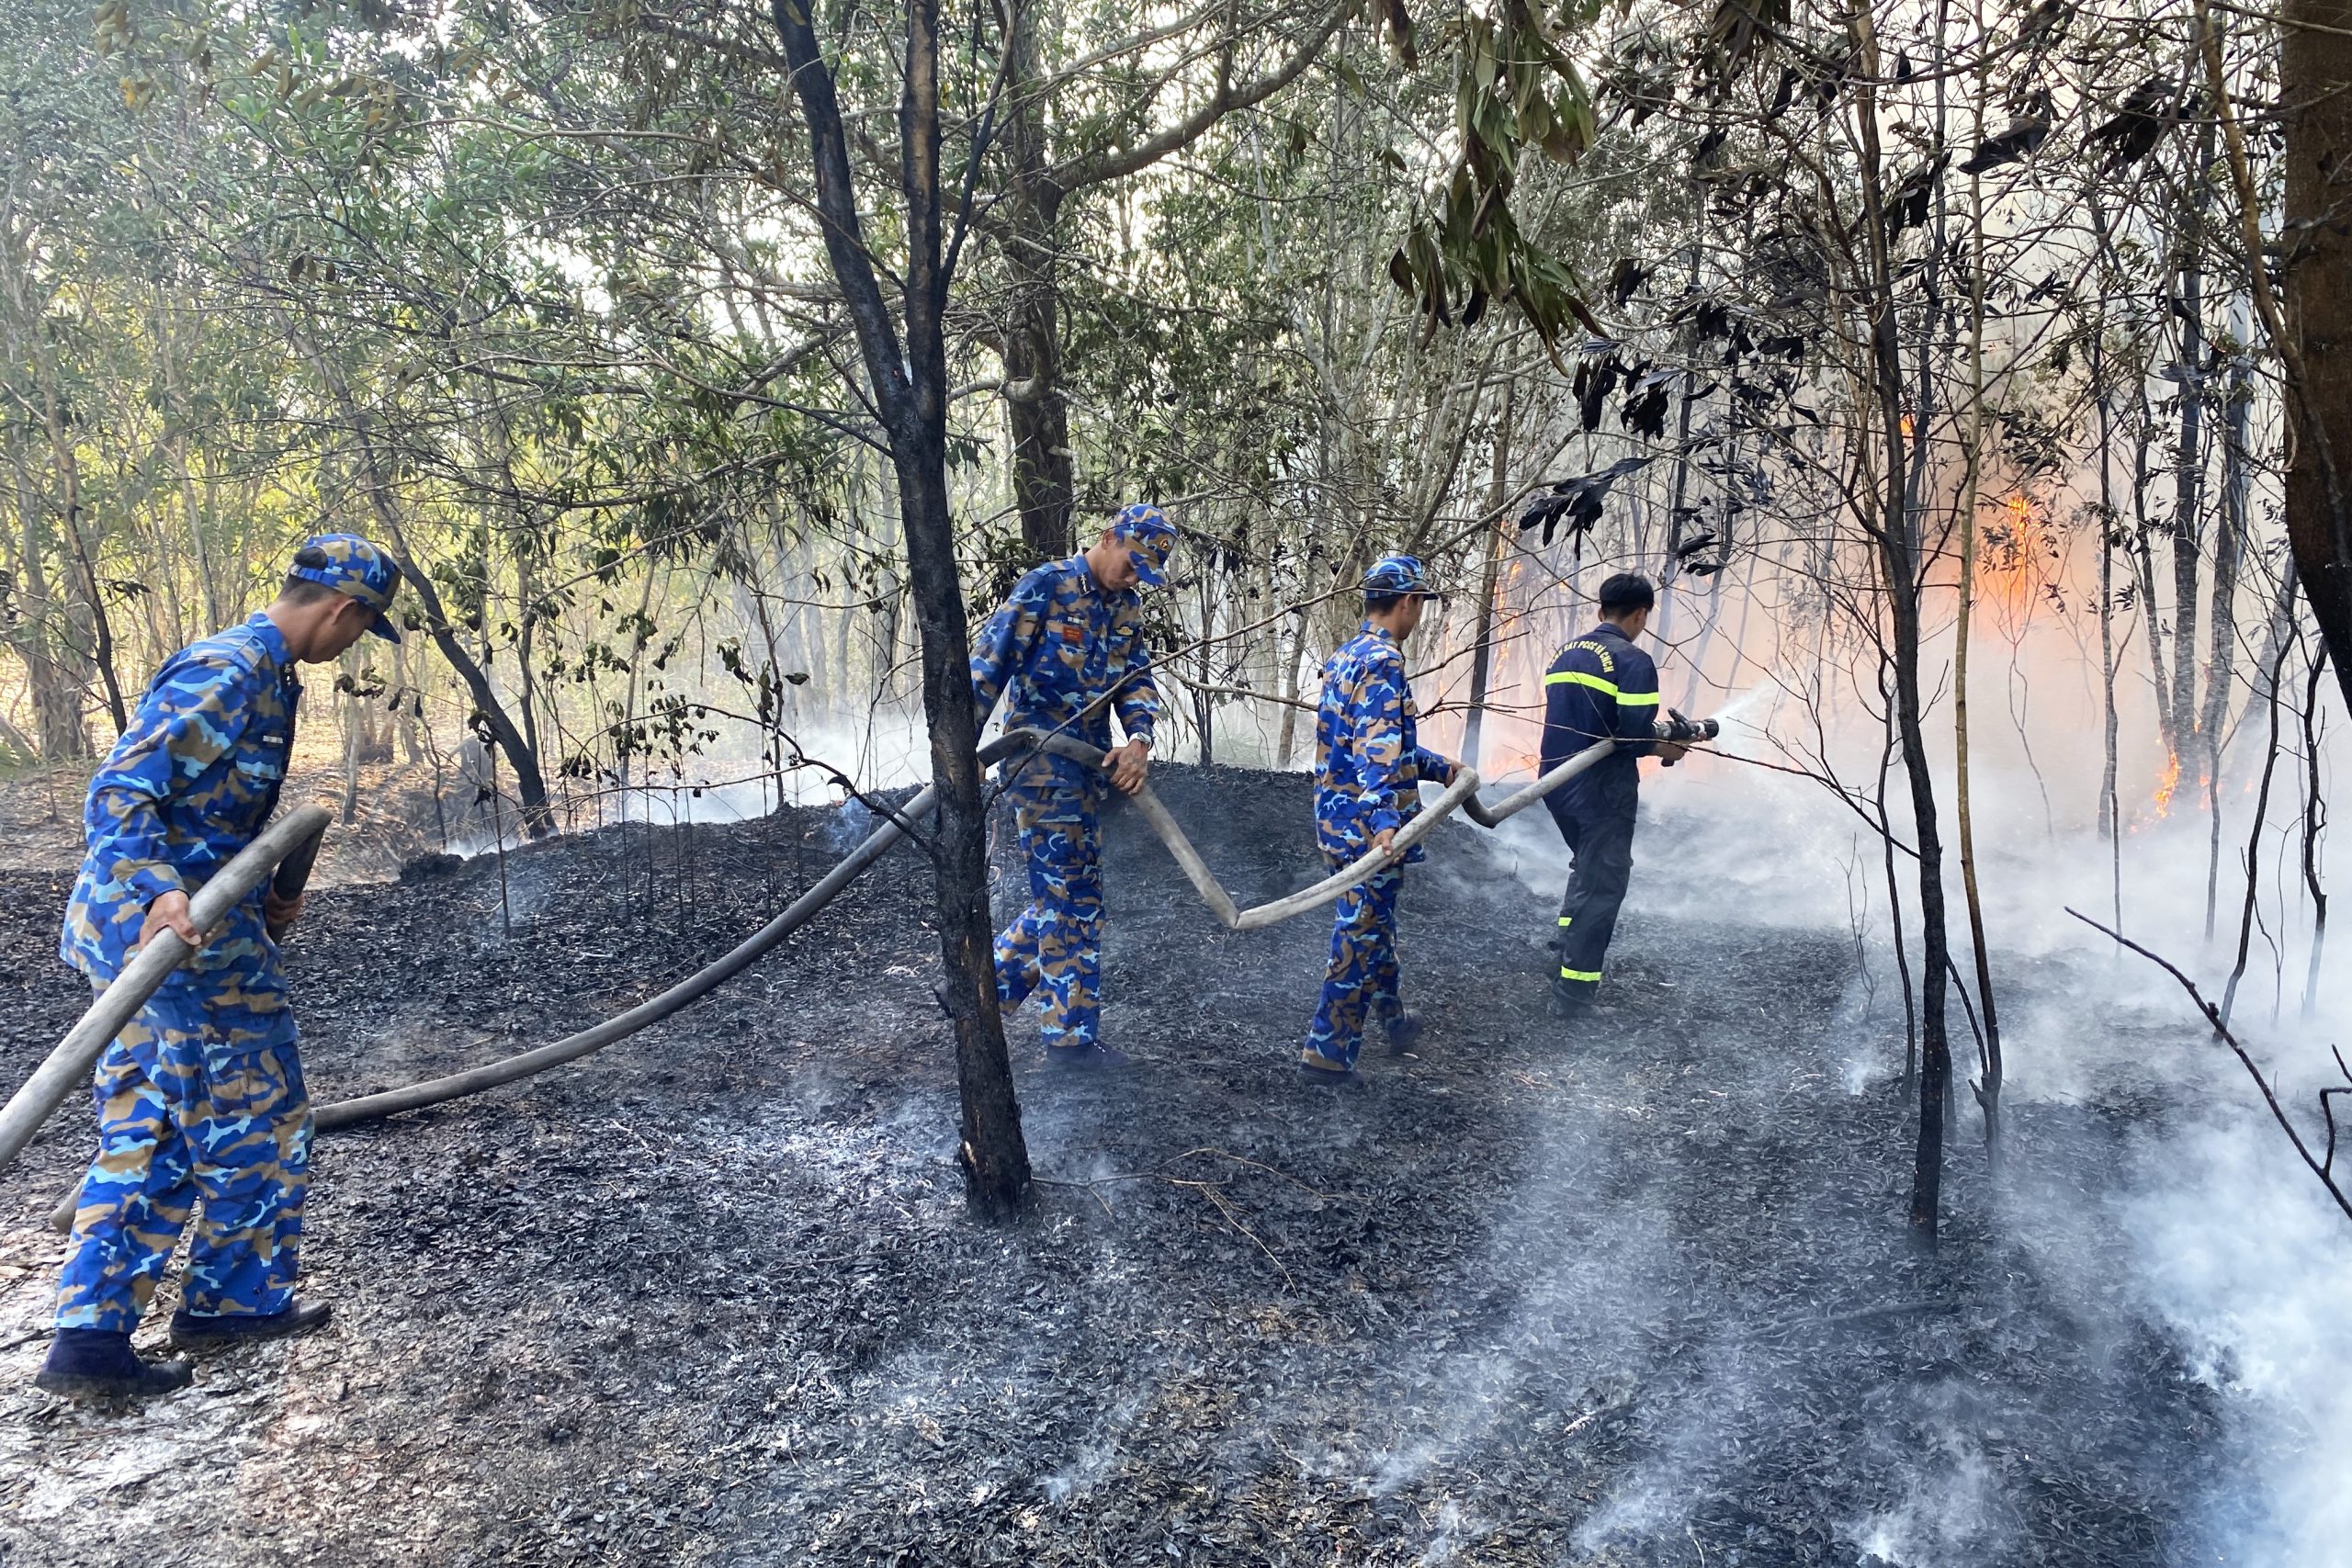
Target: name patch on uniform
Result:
[[1608, 663]]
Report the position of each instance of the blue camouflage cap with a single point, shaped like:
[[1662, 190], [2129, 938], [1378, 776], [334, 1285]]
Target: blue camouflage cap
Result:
[[1398, 577], [355, 569], [1150, 538]]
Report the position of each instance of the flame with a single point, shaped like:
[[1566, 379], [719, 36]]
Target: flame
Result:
[[2009, 563], [2165, 786]]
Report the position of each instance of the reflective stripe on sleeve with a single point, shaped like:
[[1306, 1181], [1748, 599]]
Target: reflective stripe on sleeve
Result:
[[1637, 699]]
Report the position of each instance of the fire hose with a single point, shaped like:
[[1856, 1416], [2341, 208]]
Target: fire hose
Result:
[[287, 846], [1461, 794]]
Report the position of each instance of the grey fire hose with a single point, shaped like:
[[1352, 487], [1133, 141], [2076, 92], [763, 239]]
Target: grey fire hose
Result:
[[694, 986], [701, 983], [290, 844], [1462, 794]]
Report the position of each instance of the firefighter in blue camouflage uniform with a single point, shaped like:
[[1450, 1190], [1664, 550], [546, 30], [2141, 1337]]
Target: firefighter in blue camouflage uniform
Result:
[[200, 1099], [1066, 651], [1600, 687], [1369, 767]]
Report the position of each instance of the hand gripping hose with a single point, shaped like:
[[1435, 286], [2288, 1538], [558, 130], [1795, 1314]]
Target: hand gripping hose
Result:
[[292, 839], [1461, 794]]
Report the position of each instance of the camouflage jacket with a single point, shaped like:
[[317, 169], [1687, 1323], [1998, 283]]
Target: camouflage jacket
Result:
[[1369, 761], [1055, 648], [190, 784]]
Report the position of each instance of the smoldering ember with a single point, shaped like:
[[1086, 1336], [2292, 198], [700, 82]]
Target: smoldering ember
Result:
[[1282, 783]]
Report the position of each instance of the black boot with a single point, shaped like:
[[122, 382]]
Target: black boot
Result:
[[1569, 1003], [1095, 1058], [1404, 1033], [97, 1363], [209, 1331]]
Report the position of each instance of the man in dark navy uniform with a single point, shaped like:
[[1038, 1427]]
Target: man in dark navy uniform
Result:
[[1600, 688]]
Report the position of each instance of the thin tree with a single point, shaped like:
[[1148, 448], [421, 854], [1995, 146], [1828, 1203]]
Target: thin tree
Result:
[[906, 369], [1988, 1085]]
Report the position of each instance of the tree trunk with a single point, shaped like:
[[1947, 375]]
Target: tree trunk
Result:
[[2314, 818], [93, 617], [908, 379], [2229, 552], [1889, 743], [1482, 646], [1293, 649], [1898, 558], [2110, 804], [1036, 412], [2188, 474], [349, 701], [2143, 572], [58, 730], [2315, 98], [1203, 699], [1988, 1085]]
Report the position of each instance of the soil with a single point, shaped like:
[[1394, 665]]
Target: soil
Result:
[[1635, 1290]]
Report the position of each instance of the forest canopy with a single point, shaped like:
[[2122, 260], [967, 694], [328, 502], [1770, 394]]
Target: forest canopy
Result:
[[709, 366]]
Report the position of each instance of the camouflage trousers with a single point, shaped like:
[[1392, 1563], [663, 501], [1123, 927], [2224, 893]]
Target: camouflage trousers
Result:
[[1360, 982], [190, 1109], [1054, 945]]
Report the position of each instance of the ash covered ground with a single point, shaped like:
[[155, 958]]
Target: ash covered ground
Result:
[[1637, 1292]]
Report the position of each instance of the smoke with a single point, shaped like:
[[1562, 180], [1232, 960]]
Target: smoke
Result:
[[2201, 1231], [1098, 1452], [2202, 1239], [1947, 1515], [851, 824], [2237, 1251]]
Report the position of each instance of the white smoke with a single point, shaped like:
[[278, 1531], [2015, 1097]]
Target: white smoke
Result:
[[2239, 1252]]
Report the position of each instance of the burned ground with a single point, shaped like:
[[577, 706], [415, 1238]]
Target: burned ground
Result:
[[1633, 1293]]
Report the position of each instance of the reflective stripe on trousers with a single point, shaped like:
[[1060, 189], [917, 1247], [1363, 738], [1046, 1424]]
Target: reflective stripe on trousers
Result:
[[1600, 837]]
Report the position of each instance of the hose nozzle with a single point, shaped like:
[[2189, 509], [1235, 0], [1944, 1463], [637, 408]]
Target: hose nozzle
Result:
[[1683, 730]]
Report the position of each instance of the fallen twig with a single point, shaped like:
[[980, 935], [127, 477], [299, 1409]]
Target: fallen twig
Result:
[[1224, 1206], [1254, 1164], [1085, 1187], [1862, 1314], [2322, 1168]]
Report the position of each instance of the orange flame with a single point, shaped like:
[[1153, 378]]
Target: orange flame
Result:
[[2008, 566], [2165, 786]]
